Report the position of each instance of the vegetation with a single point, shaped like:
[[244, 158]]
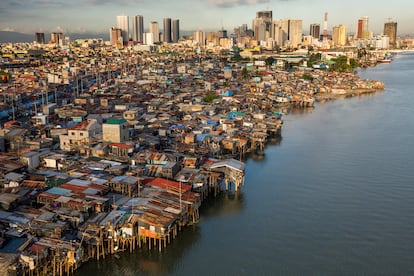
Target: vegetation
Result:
[[314, 58], [245, 73], [307, 76], [342, 65], [210, 97], [269, 61]]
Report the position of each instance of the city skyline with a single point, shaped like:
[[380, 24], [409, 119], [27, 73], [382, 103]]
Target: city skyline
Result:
[[30, 16]]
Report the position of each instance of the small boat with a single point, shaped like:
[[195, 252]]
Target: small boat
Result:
[[384, 60]]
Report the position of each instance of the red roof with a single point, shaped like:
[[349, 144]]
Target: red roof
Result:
[[169, 185], [122, 146]]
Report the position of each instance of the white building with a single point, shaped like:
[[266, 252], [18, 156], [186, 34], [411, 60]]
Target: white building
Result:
[[154, 28], [122, 22]]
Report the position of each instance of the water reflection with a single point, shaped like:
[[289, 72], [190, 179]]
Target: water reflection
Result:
[[146, 261]]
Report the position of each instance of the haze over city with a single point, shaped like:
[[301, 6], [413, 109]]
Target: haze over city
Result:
[[29, 16]]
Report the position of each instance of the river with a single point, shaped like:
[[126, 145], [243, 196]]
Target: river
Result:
[[334, 197]]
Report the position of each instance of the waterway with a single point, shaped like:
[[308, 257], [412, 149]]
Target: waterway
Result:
[[334, 197]]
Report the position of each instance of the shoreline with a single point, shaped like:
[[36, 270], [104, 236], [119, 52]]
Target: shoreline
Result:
[[348, 93]]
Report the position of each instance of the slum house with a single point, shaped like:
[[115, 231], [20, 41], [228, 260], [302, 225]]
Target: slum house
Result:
[[182, 193]]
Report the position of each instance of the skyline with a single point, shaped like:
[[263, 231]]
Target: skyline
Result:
[[30, 16]]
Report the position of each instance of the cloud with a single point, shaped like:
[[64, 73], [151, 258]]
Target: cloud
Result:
[[236, 3]]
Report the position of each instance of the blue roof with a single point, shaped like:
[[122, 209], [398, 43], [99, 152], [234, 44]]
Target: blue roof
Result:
[[59, 191]]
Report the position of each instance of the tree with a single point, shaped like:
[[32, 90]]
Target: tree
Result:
[[341, 64], [210, 97], [269, 61], [245, 73], [314, 58], [354, 63]]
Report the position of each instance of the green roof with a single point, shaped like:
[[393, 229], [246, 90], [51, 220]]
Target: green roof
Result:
[[115, 121]]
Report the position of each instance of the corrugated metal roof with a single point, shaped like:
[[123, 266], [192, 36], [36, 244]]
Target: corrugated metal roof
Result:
[[59, 191]]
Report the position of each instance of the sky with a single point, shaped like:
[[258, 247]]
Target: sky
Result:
[[70, 16]]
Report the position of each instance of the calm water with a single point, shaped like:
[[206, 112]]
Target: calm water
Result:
[[335, 197]]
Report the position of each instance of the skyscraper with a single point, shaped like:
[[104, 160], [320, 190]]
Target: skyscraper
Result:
[[200, 37], [288, 32], [315, 30], [40, 38], [295, 32], [175, 30], [339, 35], [262, 25], [362, 29], [167, 30], [155, 30], [138, 28], [56, 37], [122, 22], [116, 37], [390, 29]]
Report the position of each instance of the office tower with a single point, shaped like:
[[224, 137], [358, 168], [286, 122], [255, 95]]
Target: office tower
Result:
[[262, 25], [362, 29], [212, 38], [167, 30], [115, 35], [138, 28], [295, 32], [175, 30], [315, 30], [155, 30], [390, 29], [122, 22], [56, 37], [222, 34], [339, 35], [200, 38], [40, 38], [287, 32]]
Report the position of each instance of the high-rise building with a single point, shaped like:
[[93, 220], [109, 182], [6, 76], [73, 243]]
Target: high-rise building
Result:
[[56, 37], [200, 38], [138, 28], [222, 34], [40, 38], [362, 29], [115, 35], [262, 25], [287, 32], [295, 32], [390, 29], [315, 30], [167, 30], [175, 30], [122, 22], [339, 35], [155, 30]]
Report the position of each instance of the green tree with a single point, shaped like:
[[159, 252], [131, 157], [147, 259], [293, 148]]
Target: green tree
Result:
[[245, 73], [341, 64], [307, 76], [210, 97], [354, 63], [269, 61], [314, 58]]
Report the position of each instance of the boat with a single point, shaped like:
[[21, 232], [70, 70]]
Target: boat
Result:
[[384, 60]]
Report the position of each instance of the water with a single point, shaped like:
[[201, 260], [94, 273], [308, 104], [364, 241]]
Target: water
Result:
[[335, 197]]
